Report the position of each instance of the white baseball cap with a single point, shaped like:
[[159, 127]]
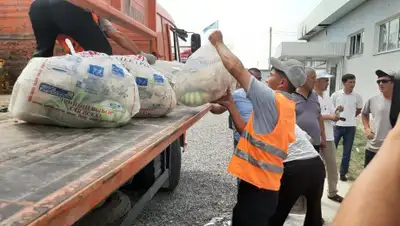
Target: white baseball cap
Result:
[[293, 69], [323, 74]]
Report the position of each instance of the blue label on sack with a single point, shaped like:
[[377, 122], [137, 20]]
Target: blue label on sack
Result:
[[96, 70], [118, 71], [55, 91], [158, 79], [141, 81]]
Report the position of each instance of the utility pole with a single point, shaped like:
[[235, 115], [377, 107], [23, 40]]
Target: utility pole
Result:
[[270, 47]]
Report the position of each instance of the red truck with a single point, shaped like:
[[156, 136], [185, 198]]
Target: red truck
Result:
[[63, 176]]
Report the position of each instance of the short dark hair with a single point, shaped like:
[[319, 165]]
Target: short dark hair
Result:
[[291, 88], [348, 77], [254, 70]]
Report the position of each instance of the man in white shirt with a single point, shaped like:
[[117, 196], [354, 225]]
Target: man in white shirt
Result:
[[329, 117], [349, 103]]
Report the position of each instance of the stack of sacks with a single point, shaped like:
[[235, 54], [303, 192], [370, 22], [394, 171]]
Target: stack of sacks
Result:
[[83, 90]]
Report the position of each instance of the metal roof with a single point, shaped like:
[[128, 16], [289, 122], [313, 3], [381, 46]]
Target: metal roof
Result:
[[325, 14], [310, 50]]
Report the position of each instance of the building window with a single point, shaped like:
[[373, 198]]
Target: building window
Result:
[[389, 37], [356, 44]]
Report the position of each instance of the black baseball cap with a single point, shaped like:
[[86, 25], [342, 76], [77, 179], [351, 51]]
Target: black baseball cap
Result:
[[381, 73]]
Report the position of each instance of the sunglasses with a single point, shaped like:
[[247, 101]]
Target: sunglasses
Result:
[[384, 81]]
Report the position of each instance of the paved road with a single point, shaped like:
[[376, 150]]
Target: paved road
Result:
[[206, 190]]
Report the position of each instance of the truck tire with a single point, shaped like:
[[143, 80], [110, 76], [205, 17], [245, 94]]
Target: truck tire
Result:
[[174, 161], [147, 176], [110, 213]]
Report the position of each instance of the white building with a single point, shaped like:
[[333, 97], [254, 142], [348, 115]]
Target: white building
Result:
[[349, 36]]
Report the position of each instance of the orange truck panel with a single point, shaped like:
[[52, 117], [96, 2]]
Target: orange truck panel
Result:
[[17, 42]]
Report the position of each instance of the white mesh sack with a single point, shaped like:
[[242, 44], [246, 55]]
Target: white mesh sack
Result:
[[203, 78], [84, 90], [169, 69], [157, 98]]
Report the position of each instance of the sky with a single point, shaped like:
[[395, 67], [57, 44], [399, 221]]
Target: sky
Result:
[[244, 23]]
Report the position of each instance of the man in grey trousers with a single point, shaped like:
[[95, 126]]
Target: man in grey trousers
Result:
[[329, 117]]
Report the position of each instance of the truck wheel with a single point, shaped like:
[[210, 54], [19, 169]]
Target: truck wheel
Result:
[[147, 176], [110, 213], [175, 159]]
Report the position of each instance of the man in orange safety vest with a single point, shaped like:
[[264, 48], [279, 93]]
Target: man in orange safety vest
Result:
[[258, 158], [58, 19]]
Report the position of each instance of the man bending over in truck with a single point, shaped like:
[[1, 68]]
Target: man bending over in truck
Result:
[[58, 19], [263, 145]]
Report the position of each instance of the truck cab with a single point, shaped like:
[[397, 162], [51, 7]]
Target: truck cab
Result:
[[145, 21]]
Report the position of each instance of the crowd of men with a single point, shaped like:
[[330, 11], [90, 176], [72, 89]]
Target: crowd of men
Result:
[[286, 132]]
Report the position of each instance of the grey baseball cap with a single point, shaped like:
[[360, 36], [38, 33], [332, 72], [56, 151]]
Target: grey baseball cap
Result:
[[293, 69]]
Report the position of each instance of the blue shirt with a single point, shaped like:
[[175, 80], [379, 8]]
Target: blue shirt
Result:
[[244, 107]]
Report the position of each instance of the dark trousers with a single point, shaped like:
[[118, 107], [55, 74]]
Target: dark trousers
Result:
[[348, 134], [301, 178], [369, 155], [50, 18], [317, 148], [254, 206]]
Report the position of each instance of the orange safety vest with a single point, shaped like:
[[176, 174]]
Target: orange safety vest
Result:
[[258, 158], [61, 39]]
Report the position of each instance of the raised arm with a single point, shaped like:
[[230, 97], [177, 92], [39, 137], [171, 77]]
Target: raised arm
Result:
[[227, 102], [123, 40], [230, 61]]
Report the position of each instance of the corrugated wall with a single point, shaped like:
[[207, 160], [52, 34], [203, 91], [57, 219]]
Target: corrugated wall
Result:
[[17, 42], [16, 38]]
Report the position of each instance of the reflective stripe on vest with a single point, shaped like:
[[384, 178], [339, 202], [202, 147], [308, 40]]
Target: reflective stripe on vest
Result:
[[260, 164], [264, 146], [61, 39], [258, 158]]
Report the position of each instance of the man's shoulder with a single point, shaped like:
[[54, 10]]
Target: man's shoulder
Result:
[[376, 98], [337, 93], [295, 96], [314, 95]]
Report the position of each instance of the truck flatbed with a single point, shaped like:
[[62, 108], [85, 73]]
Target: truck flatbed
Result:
[[53, 176]]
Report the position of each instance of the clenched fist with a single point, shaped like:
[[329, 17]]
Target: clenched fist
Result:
[[216, 38]]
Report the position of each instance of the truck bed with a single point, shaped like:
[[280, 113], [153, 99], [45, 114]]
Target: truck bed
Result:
[[53, 176]]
